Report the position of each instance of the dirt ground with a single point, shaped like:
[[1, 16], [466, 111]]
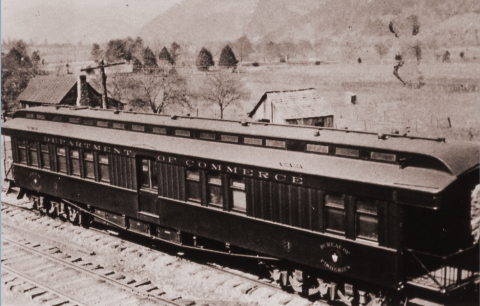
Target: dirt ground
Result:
[[450, 91]]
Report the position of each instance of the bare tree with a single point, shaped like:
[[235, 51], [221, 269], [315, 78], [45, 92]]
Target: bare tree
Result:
[[223, 89], [157, 91]]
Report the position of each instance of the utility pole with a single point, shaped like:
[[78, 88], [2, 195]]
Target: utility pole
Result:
[[102, 66]]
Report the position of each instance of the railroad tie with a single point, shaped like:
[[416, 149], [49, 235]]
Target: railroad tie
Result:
[[36, 292]]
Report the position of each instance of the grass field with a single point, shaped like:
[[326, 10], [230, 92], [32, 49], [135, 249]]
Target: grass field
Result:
[[449, 97]]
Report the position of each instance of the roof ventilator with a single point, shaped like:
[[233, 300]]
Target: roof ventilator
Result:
[[174, 117], [317, 133], [382, 136]]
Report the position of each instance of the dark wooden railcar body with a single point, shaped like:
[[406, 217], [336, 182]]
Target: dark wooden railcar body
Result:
[[344, 202]]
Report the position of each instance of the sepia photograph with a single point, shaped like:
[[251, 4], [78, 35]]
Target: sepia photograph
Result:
[[240, 152]]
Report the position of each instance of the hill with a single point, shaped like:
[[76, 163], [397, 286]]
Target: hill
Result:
[[201, 21]]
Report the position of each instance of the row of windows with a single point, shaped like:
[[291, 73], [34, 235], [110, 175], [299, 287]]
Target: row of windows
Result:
[[214, 185], [75, 162], [210, 189], [366, 217], [215, 190], [254, 141]]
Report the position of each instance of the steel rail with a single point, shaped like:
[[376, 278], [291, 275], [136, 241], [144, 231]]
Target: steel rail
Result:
[[41, 286], [91, 273]]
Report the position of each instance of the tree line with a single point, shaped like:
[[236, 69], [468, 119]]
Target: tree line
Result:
[[143, 57]]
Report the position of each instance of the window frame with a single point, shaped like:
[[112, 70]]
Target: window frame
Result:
[[152, 174], [100, 164], [337, 207], [233, 189], [215, 185], [22, 146], [74, 160], [44, 154], [86, 162], [33, 152], [198, 184], [59, 156], [359, 212]]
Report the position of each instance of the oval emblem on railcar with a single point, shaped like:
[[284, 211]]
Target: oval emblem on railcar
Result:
[[35, 181], [334, 257]]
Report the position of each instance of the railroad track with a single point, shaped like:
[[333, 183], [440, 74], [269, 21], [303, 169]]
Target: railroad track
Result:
[[46, 272], [243, 282]]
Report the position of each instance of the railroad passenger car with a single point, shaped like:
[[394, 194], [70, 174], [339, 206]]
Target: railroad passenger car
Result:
[[351, 216]]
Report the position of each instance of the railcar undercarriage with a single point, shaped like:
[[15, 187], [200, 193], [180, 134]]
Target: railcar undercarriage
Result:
[[443, 282]]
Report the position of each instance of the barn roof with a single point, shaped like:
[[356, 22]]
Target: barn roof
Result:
[[294, 104], [48, 89]]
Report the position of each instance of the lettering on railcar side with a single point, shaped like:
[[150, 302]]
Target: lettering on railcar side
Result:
[[259, 174], [335, 257]]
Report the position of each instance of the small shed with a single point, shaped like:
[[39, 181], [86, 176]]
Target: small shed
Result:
[[64, 90], [302, 106]]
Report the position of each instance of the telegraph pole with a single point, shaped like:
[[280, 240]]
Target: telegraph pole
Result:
[[102, 66]]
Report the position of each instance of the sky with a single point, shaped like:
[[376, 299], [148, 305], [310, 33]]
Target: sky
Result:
[[16, 14]]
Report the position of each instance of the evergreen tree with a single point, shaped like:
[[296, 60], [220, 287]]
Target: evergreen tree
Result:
[[149, 59], [227, 58], [175, 52], [96, 53], [117, 50], [165, 56], [35, 57], [204, 60]]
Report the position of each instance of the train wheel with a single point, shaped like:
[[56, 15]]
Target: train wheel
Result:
[[73, 215]]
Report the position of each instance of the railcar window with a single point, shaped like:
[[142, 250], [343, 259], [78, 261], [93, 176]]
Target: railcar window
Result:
[[103, 168], [33, 154], [29, 116], [88, 165], [75, 162], [275, 143], [57, 118], [159, 130], [383, 156], [45, 155], [193, 185], [239, 198], [209, 136], [335, 214], [138, 128], [61, 160], [88, 121], [347, 152], [75, 120], [41, 116], [366, 220], [317, 148], [252, 141], [102, 123], [229, 138], [183, 133], [215, 191], [22, 151], [120, 126], [149, 174]]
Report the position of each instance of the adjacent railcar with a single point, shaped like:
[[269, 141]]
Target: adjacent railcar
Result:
[[349, 214]]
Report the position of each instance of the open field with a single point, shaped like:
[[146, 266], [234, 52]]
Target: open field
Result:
[[449, 97]]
